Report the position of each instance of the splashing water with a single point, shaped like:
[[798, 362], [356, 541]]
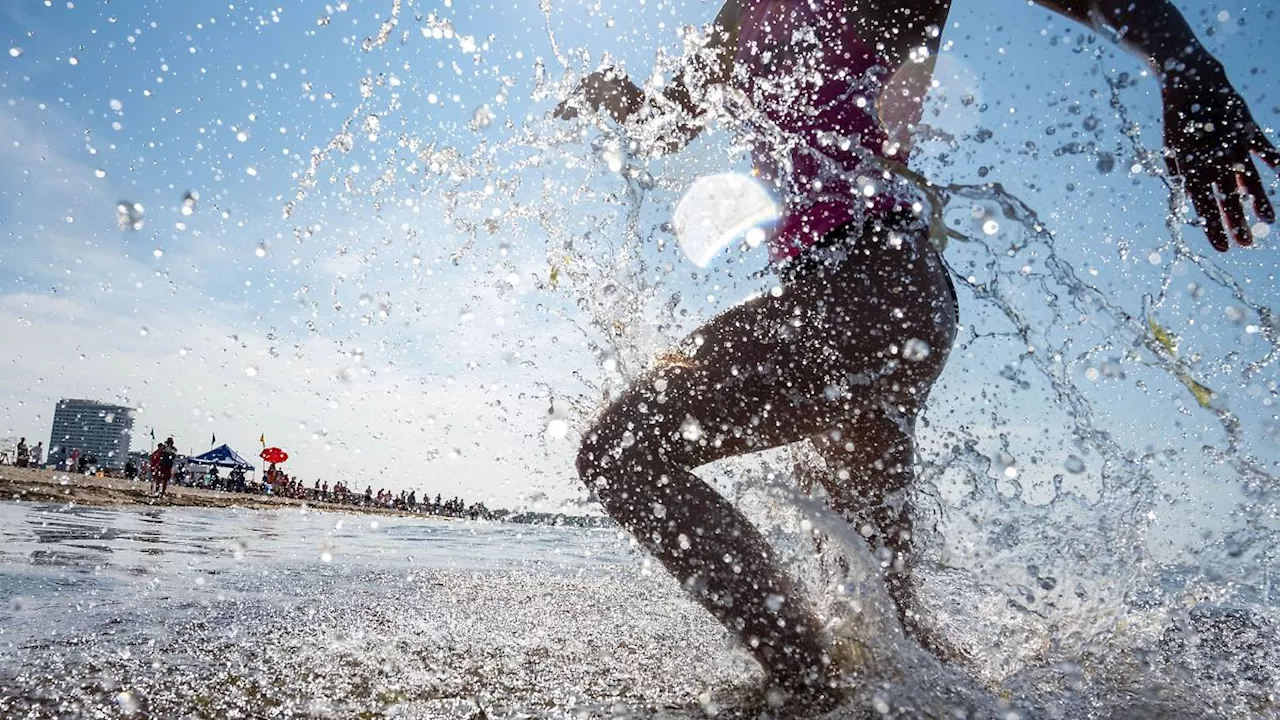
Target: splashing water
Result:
[[1045, 579]]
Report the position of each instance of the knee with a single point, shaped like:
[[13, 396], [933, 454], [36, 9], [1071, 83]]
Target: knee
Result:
[[617, 462]]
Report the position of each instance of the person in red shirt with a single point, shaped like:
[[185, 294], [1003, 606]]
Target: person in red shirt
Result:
[[156, 456]]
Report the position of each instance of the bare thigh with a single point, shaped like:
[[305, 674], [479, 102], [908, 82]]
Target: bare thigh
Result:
[[787, 366]]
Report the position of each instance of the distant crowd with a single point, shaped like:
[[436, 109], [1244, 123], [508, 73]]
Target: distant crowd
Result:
[[166, 465], [24, 456]]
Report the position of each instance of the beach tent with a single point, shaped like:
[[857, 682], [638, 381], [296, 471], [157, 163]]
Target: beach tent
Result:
[[222, 456]]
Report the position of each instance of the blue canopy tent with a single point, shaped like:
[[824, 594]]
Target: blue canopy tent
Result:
[[222, 456]]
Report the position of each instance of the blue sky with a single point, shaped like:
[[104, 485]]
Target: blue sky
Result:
[[348, 334]]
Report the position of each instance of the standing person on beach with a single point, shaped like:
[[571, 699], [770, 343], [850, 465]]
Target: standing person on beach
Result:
[[844, 353], [156, 455], [168, 458], [37, 455], [21, 454]]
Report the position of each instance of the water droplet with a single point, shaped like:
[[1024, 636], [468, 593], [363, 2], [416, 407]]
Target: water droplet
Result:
[[991, 227], [116, 105], [252, 171], [371, 126], [915, 350], [557, 428], [73, 60], [15, 52], [613, 159], [326, 556], [143, 331], [1074, 464], [189, 201], [99, 173], [482, 118], [242, 136], [1260, 230], [691, 429], [128, 705], [251, 371], [261, 251], [129, 215]]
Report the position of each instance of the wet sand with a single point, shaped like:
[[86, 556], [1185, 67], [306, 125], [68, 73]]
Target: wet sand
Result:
[[23, 484]]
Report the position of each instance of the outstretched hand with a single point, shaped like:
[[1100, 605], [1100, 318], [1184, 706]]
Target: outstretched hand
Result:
[[1209, 139], [607, 89]]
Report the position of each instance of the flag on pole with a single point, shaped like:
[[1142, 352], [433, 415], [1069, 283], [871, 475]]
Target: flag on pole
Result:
[[153, 434], [263, 439], [213, 440]]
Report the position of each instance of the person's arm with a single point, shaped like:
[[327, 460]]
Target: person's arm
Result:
[[610, 90], [1209, 135]]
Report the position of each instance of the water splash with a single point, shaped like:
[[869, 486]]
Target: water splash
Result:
[[1067, 555]]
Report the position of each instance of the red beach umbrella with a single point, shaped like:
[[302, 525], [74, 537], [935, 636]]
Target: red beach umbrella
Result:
[[273, 455]]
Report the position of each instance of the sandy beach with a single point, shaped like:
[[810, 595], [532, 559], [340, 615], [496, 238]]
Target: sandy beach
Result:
[[22, 484]]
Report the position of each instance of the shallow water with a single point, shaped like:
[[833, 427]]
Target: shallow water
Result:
[[130, 612], [226, 613]]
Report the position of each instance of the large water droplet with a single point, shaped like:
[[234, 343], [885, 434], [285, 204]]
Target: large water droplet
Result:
[[1074, 464], [915, 350], [557, 428], [691, 429], [129, 215], [717, 209]]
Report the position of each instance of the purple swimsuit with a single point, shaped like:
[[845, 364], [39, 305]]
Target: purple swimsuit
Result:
[[815, 83]]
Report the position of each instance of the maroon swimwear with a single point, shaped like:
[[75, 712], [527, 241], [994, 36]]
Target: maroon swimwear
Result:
[[814, 82]]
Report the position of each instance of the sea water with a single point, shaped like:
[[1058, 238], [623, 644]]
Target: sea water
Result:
[[151, 612], [141, 612]]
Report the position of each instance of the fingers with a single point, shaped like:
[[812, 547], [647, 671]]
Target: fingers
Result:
[[565, 110], [1263, 147], [1251, 183], [1233, 208], [1205, 201], [1269, 154]]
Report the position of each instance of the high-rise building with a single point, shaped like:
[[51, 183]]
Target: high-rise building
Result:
[[95, 429]]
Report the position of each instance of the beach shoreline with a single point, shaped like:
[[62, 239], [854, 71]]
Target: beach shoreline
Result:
[[56, 486]]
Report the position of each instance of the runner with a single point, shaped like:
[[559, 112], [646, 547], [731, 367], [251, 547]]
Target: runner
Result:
[[846, 353]]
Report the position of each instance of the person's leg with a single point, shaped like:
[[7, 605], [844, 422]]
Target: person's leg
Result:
[[766, 373], [869, 459]]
